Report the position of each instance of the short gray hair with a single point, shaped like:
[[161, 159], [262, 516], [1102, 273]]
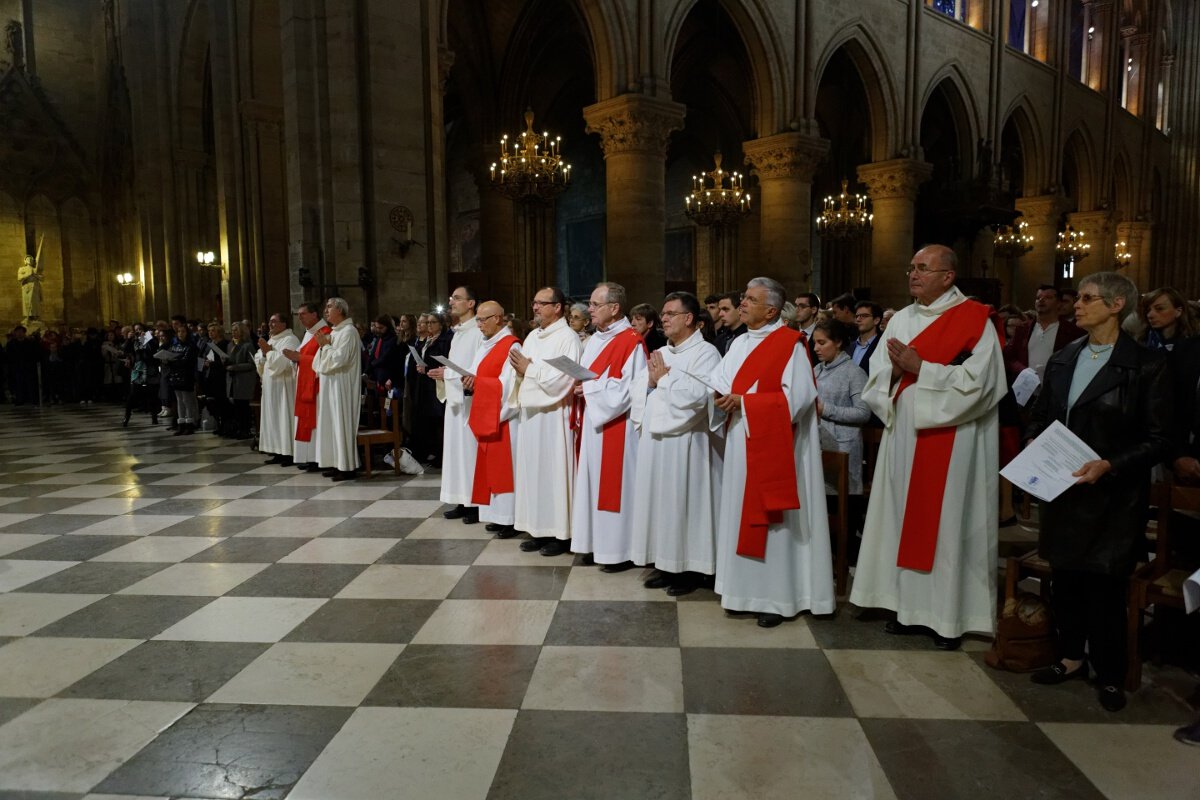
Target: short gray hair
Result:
[[580, 307], [341, 305], [614, 293], [775, 291], [1110, 286]]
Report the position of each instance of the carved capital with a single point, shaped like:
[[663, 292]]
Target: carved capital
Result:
[[898, 178], [1096, 225], [1042, 210], [1134, 233], [786, 155], [634, 123]]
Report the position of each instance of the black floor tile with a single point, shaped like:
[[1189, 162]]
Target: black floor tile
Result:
[[459, 552], [299, 580], [614, 624], [180, 508], [210, 526], [249, 550], [169, 671], [95, 577], [72, 548], [51, 524], [511, 583], [13, 707], [457, 676], [43, 505], [326, 508], [372, 527], [365, 621], [126, 617], [719, 680]]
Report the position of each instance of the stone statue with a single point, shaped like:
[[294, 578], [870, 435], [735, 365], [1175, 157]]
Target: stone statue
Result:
[[30, 278], [14, 43]]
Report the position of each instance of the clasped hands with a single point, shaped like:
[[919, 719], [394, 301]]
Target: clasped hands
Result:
[[657, 367], [904, 358]]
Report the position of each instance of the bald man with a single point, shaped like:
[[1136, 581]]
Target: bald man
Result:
[[493, 421], [929, 544]]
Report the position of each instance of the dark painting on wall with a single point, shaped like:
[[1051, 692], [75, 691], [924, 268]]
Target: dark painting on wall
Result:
[[470, 252], [680, 264], [585, 255]]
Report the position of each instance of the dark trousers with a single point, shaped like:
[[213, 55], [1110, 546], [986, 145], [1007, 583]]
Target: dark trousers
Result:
[[427, 439], [1089, 609], [241, 419]]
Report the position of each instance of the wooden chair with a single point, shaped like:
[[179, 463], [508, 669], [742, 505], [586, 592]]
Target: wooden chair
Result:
[[382, 435], [871, 439], [837, 466], [1159, 582]]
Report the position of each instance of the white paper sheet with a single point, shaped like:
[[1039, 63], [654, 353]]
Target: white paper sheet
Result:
[[572, 368], [165, 355], [706, 381], [213, 348], [1044, 467], [1191, 592], [417, 357], [445, 362], [1025, 385]]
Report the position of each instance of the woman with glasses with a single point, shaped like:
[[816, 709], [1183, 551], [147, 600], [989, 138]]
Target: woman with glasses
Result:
[[579, 320], [1116, 396]]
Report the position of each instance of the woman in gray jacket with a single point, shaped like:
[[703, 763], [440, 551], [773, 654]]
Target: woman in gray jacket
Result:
[[841, 411], [242, 379]]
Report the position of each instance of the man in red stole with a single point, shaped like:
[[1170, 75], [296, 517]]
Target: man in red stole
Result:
[[601, 519], [304, 452], [493, 420], [929, 545], [773, 556]]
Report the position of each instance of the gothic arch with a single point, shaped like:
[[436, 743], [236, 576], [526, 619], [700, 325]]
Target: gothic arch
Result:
[[1122, 195], [950, 81], [759, 35], [192, 75], [869, 60], [1024, 119], [1079, 170]]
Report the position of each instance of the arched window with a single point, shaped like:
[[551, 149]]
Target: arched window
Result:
[[1028, 24], [968, 12]]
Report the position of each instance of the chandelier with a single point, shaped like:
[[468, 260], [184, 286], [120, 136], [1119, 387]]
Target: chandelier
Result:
[[1121, 256], [1071, 248], [1012, 241], [717, 197], [533, 168], [845, 216]]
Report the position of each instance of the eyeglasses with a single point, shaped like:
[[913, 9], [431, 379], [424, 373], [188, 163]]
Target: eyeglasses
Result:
[[923, 269], [489, 316], [673, 314], [597, 305], [456, 297], [540, 303], [1088, 299]]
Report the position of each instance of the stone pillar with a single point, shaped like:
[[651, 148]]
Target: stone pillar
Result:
[[633, 133], [892, 187], [1137, 47], [1098, 18], [1136, 236], [1097, 228], [1042, 214], [785, 164], [497, 241]]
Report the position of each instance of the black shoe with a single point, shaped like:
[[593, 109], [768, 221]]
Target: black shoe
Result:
[[612, 568], [179, 431], [684, 583], [287, 461], [312, 466], [1112, 698], [1189, 734], [658, 580], [769, 620], [536, 543], [492, 527], [470, 516], [896, 628], [455, 513], [947, 643], [555, 547], [729, 612], [328, 473], [276, 459], [506, 532], [1057, 673], [345, 475]]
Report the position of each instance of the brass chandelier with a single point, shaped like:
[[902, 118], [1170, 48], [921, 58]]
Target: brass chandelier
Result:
[[1012, 241], [1071, 248], [1121, 256], [532, 168], [845, 216], [717, 197]]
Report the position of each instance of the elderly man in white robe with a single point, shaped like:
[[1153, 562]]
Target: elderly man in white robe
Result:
[[493, 421], [304, 438], [929, 547], [338, 364], [773, 551], [544, 474], [277, 411], [679, 458], [602, 519], [458, 443]]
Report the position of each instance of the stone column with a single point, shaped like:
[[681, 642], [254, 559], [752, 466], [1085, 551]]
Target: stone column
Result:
[[1097, 228], [1098, 17], [892, 187], [785, 164], [1136, 236], [497, 233], [1042, 214], [634, 130]]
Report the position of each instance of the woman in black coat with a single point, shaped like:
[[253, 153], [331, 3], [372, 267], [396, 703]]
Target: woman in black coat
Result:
[[431, 412], [1116, 396]]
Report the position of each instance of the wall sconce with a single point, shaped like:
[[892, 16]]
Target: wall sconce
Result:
[[127, 279], [401, 219], [206, 258], [1121, 256]]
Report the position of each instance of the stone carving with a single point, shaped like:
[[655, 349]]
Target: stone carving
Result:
[[899, 178], [786, 155], [14, 44], [634, 124], [1096, 225], [1044, 210], [29, 276]]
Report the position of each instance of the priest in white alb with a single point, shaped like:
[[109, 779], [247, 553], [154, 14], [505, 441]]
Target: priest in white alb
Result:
[[493, 421], [308, 386], [543, 477], [458, 443], [929, 545], [338, 365], [679, 457], [277, 411], [602, 519], [773, 550]]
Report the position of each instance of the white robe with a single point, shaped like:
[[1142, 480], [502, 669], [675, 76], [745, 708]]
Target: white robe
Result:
[[499, 509], [306, 452], [959, 593], [607, 535], [277, 412], [797, 572], [339, 365], [458, 443], [675, 501], [544, 473]]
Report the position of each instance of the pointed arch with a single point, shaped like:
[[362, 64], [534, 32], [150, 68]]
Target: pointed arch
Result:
[[1023, 117], [953, 84], [869, 60], [192, 74], [1121, 191], [1078, 178], [614, 46]]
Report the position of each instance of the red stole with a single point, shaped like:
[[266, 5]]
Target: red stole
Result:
[[307, 386], [770, 448], [953, 334], [612, 451], [493, 459]]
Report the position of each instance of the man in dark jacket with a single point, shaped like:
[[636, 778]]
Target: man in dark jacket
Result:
[[1035, 341]]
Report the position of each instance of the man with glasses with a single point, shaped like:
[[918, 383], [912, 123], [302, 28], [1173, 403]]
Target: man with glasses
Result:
[[866, 320], [602, 519], [808, 307], [544, 471], [458, 443], [679, 469], [930, 540]]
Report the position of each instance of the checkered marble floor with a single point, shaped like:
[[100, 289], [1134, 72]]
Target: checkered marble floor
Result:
[[179, 620]]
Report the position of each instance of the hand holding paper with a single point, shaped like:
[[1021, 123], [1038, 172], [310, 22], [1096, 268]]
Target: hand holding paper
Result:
[[572, 368], [451, 365], [1047, 467]]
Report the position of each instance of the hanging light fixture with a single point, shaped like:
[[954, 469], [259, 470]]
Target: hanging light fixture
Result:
[[845, 216], [1121, 256], [531, 167], [1012, 241], [717, 197], [1071, 249], [127, 279]]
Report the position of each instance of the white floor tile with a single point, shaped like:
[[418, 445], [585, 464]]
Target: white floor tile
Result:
[[243, 619]]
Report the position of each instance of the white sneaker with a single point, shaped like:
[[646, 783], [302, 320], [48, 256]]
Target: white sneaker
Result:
[[408, 464]]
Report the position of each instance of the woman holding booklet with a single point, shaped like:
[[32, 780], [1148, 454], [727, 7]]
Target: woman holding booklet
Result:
[[1116, 396]]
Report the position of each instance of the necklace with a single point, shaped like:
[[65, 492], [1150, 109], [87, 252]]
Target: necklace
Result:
[[1096, 353]]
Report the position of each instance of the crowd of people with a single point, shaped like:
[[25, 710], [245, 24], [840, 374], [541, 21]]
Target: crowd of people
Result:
[[689, 436]]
